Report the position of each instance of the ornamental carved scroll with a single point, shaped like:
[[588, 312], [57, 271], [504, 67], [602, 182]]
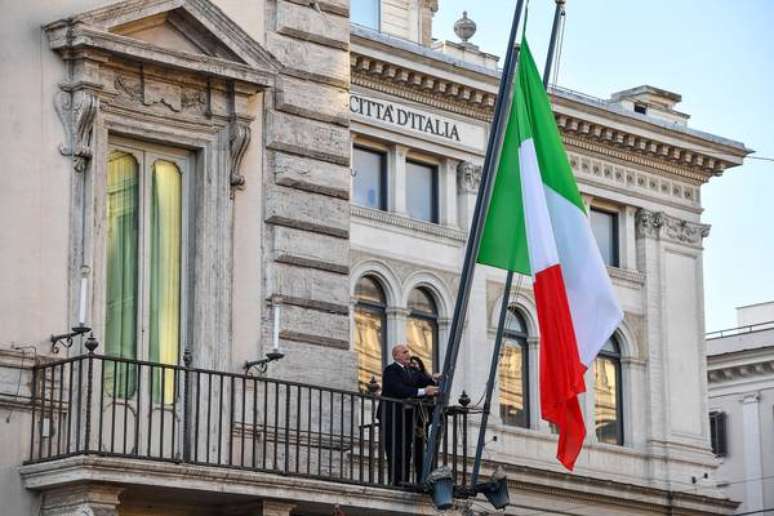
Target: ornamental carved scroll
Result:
[[238, 141], [77, 111]]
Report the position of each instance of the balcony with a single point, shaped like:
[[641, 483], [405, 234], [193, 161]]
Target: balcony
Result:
[[116, 419]]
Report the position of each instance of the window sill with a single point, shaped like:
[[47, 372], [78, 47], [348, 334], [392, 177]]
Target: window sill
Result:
[[400, 221], [626, 275]]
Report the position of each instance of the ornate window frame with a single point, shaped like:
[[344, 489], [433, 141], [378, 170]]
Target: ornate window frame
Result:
[[121, 86]]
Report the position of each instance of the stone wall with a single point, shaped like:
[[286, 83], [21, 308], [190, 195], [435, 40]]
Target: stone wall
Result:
[[306, 192]]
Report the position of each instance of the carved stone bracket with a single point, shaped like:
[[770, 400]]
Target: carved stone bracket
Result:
[[77, 110], [662, 226], [238, 142], [468, 177]]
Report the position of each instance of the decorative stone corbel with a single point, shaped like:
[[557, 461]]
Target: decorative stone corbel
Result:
[[238, 142], [660, 225], [468, 177], [77, 110]]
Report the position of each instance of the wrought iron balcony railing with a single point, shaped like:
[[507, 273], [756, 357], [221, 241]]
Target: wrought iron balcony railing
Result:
[[109, 406]]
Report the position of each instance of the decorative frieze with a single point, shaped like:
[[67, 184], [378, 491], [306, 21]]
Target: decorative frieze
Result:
[[661, 226], [681, 192]]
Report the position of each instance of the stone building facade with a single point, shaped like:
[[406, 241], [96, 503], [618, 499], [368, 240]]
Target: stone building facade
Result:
[[323, 161], [740, 372]]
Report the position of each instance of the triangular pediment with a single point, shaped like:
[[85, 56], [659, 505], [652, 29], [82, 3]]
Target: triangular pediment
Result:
[[178, 29]]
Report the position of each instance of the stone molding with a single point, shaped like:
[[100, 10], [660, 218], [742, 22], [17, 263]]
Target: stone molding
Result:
[[663, 188], [393, 219], [380, 75], [686, 162], [87, 499], [468, 177], [660, 226], [239, 140], [741, 371]]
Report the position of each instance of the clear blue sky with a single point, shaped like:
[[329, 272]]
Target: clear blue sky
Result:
[[719, 55]]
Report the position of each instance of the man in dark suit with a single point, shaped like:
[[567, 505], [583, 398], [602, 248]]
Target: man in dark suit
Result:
[[400, 419]]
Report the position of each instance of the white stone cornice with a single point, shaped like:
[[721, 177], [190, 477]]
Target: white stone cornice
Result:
[[741, 371]]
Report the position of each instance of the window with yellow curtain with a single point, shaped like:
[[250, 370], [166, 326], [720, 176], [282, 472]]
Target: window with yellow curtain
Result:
[[513, 372], [370, 331], [143, 273], [422, 327], [608, 413]]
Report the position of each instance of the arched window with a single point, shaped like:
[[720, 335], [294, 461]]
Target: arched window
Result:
[[370, 330], [422, 327], [608, 413], [514, 394]]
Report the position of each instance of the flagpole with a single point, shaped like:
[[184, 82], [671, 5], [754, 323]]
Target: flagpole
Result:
[[474, 241], [558, 13]]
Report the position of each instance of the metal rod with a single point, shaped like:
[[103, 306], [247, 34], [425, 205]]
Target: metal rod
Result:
[[474, 239], [558, 13]]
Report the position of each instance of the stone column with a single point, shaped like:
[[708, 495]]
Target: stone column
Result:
[[396, 328], [447, 193], [627, 244], [753, 466], [82, 500], [396, 174], [533, 345], [468, 181], [277, 508]]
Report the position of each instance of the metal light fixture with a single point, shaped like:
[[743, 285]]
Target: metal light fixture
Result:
[[66, 339], [262, 365]]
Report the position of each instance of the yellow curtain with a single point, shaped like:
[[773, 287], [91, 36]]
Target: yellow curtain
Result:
[[123, 202], [165, 264]]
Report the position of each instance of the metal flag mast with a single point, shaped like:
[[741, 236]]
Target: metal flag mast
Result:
[[558, 13], [474, 240]]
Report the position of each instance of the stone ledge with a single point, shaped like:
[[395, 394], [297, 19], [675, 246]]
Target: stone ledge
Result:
[[73, 470], [393, 219], [317, 340]]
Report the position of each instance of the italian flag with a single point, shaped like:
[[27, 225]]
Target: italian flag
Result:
[[537, 225]]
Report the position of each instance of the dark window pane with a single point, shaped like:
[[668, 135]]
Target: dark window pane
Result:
[[365, 13], [422, 192], [604, 225], [368, 290], [369, 181], [718, 433]]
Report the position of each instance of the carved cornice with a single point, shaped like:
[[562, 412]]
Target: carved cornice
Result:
[[468, 177], [741, 371], [77, 110], [660, 226], [670, 158], [380, 75], [430, 90]]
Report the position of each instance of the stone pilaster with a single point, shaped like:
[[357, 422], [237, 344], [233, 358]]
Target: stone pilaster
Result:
[[277, 508], [306, 185], [82, 500]]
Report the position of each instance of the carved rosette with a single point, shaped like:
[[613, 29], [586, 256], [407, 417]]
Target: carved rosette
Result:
[[662, 226], [77, 111], [238, 142], [468, 177]]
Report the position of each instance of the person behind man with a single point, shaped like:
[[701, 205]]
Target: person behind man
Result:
[[400, 381]]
